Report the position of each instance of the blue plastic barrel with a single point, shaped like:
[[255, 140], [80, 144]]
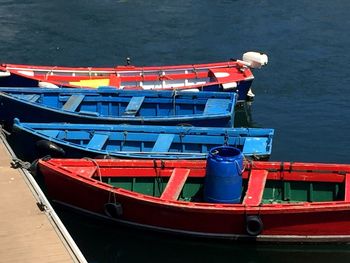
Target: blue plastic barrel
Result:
[[223, 179]]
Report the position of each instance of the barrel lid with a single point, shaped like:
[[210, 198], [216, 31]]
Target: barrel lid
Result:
[[225, 153]]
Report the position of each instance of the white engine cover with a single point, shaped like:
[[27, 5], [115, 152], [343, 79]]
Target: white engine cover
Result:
[[5, 74], [229, 85], [43, 84], [255, 59], [191, 90]]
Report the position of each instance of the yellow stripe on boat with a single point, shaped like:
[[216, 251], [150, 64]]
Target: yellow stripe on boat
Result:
[[91, 83]]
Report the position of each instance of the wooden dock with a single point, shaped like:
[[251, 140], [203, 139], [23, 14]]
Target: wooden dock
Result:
[[28, 234]]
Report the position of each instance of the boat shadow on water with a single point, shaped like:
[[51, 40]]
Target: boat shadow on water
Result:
[[243, 115], [102, 241]]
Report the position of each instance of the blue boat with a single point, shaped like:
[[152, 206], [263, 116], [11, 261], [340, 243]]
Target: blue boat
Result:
[[134, 141], [109, 105]]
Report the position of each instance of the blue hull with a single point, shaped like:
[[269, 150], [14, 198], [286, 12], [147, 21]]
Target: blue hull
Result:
[[19, 81], [107, 105], [131, 141], [241, 90]]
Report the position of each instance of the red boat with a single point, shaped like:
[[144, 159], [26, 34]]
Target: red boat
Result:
[[280, 201], [221, 76]]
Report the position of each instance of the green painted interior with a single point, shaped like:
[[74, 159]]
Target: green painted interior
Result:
[[275, 191], [294, 191]]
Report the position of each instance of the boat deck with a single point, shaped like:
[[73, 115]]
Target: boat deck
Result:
[[28, 234]]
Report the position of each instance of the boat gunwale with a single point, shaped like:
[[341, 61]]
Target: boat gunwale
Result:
[[181, 118], [124, 69], [268, 208], [198, 131], [247, 74]]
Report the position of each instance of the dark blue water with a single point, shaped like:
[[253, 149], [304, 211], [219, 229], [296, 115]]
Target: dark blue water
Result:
[[303, 93]]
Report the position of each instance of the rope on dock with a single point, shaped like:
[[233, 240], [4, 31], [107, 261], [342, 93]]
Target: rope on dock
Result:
[[4, 133], [18, 163]]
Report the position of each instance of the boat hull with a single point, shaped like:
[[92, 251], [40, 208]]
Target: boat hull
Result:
[[222, 76], [292, 223], [108, 106], [263, 238], [132, 141], [22, 81]]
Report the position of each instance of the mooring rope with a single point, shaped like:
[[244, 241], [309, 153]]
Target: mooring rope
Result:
[[97, 167], [18, 163], [174, 101], [4, 133], [112, 194], [159, 179]]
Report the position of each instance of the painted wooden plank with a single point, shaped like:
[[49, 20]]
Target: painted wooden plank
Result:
[[253, 145], [27, 97], [31, 97], [347, 188], [163, 142], [114, 80], [175, 184], [133, 106], [73, 102], [256, 185], [50, 133], [89, 113], [98, 141], [27, 234], [216, 106]]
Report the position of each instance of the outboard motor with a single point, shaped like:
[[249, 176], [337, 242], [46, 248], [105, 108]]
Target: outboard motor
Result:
[[254, 59]]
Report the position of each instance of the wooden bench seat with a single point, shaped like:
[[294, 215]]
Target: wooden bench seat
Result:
[[73, 102], [163, 142], [133, 106], [256, 186], [50, 133], [216, 106], [98, 141], [175, 184], [31, 97]]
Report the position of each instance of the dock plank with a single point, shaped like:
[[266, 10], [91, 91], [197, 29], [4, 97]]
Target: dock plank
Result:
[[26, 233]]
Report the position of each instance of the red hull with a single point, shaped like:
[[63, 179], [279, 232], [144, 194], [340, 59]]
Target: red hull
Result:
[[163, 77], [70, 184]]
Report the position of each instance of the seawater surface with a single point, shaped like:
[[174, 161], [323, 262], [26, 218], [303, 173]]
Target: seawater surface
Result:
[[303, 93]]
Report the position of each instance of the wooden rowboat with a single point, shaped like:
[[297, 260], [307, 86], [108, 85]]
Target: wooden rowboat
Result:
[[228, 76], [106, 105], [134, 141], [280, 201]]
